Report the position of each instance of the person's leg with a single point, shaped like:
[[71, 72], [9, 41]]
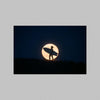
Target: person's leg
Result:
[[52, 57], [49, 57]]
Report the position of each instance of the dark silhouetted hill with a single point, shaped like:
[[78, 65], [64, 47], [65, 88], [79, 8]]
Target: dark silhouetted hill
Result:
[[34, 66]]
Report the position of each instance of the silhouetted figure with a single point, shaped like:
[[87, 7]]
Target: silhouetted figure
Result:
[[51, 53]]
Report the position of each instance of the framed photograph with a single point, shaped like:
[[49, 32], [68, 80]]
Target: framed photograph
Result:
[[50, 49]]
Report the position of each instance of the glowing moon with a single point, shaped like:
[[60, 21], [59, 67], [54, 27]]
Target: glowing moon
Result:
[[51, 47]]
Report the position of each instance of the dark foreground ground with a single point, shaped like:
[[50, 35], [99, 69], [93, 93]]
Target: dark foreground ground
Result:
[[33, 66]]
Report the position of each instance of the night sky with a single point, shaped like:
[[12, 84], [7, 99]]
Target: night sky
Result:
[[71, 41]]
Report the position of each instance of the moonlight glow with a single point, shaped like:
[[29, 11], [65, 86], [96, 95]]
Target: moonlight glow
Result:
[[46, 55]]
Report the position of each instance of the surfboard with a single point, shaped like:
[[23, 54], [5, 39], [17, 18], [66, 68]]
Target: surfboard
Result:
[[49, 51]]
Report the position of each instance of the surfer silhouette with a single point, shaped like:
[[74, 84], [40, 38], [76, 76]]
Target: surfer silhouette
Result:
[[51, 53]]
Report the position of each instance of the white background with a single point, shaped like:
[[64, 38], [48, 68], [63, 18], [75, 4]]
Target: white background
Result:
[[49, 87]]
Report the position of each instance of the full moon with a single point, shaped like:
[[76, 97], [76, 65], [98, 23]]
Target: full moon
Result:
[[50, 51]]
